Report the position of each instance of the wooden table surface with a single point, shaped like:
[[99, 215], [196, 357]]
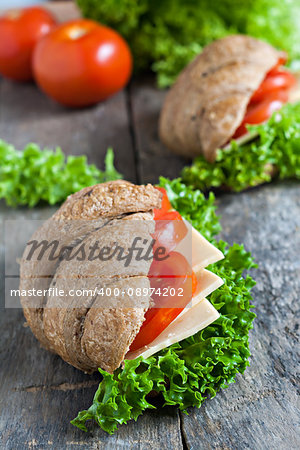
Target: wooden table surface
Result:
[[39, 393]]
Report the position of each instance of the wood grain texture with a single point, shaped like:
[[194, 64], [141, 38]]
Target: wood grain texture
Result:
[[153, 158], [261, 411], [39, 393], [64, 10], [27, 115]]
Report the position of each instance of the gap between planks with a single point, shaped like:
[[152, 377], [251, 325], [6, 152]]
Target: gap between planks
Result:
[[128, 99], [182, 432], [59, 387]]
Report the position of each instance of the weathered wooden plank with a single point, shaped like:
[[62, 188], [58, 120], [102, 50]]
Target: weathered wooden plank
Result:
[[27, 115], [37, 415], [63, 10], [260, 410], [153, 157], [39, 393]]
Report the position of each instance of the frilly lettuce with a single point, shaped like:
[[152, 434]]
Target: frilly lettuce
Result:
[[167, 35], [275, 153], [35, 175], [186, 373]]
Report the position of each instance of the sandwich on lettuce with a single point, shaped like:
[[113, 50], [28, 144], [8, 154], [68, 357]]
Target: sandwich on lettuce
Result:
[[226, 107], [175, 323]]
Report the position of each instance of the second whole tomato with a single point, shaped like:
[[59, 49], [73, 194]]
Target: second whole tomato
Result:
[[20, 29], [81, 63]]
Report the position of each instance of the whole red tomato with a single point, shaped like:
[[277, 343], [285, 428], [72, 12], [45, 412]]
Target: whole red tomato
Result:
[[81, 62], [20, 29]]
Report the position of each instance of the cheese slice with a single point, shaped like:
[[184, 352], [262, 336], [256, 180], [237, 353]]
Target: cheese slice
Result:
[[191, 320], [247, 137], [294, 94], [199, 313], [197, 250], [207, 282], [195, 319]]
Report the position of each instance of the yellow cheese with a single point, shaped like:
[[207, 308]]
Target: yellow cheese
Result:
[[193, 320], [207, 283], [294, 94], [197, 250], [198, 314]]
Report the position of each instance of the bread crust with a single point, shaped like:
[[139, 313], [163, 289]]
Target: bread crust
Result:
[[96, 332], [109, 200], [208, 102]]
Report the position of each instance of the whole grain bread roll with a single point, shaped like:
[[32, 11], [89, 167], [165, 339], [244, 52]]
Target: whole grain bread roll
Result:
[[208, 102], [93, 331]]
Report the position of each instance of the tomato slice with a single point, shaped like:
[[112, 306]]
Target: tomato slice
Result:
[[269, 97], [174, 275], [281, 61], [175, 266], [165, 204], [170, 229], [277, 80], [262, 111], [172, 279]]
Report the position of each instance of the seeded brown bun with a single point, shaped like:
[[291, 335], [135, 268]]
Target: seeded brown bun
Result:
[[98, 331], [208, 102]]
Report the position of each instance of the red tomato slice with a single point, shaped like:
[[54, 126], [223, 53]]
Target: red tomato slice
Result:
[[164, 278], [281, 61], [173, 278], [175, 265], [260, 112], [279, 79], [269, 97], [170, 229], [165, 204]]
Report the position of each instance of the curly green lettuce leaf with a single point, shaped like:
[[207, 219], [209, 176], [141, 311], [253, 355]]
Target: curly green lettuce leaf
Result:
[[33, 175], [186, 373], [167, 35], [275, 153]]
